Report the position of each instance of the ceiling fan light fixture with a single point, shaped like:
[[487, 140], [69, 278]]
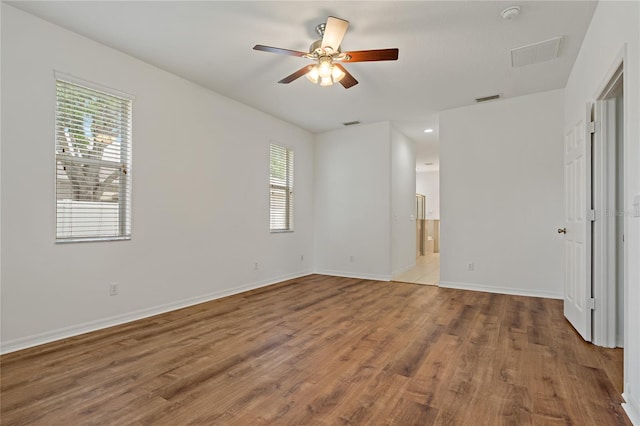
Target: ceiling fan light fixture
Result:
[[325, 72], [326, 81], [313, 75], [337, 74], [324, 67]]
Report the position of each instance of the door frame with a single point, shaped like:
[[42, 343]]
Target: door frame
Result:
[[604, 192]]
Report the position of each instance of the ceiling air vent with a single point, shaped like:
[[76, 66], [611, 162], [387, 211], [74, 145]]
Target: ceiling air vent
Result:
[[488, 98], [351, 123], [536, 52]]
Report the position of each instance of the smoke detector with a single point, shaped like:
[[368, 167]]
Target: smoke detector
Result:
[[510, 12]]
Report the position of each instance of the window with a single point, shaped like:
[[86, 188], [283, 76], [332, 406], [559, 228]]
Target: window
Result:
[[281, 189], [93, 162]]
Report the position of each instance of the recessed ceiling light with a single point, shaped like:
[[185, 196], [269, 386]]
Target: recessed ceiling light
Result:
[[428, 130]]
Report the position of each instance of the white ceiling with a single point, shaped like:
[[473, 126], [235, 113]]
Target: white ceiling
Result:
[[450, 52]]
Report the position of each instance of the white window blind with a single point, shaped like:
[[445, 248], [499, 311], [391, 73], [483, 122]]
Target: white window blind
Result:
[[281, 189], [93, 163]]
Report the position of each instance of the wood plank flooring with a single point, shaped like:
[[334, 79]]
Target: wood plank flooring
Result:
[[324, 351]]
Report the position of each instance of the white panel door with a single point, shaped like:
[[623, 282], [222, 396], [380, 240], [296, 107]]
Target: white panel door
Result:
[[577, 177]]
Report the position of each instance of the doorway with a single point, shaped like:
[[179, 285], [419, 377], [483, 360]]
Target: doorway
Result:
[[427, 269], [608, 198], [595, 250]]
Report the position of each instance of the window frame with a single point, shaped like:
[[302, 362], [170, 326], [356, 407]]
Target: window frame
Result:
[[124, 163], [288, 188]]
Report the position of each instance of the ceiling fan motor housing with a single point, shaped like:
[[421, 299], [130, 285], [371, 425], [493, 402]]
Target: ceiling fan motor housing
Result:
[[316, 49], [315, 46]]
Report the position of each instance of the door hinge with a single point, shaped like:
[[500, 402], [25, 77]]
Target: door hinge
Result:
[[592, 215], [591, 303], [592, 127]]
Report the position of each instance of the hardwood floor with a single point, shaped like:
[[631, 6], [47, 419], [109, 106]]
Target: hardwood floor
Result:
[[325, 351]]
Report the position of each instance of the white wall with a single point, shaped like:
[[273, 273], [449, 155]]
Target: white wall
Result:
[[403, 204], [615, 24], [200, 194], [352, 207], [428, 184], [501, 181]]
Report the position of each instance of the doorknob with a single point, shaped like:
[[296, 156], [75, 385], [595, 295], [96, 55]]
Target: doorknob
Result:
[[562, 230]]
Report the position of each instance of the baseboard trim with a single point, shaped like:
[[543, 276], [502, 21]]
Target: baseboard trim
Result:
[[75, 330], [633, 412], [353, 275], [501, 290]]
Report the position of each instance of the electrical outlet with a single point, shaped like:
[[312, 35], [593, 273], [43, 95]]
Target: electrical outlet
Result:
[[255, 266], [113, 289], [351, 258], [302, 258], [470, 266]]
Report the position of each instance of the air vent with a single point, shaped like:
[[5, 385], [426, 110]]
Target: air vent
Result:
[[488, 98], [351, 123], [428, 164], [534, 53]]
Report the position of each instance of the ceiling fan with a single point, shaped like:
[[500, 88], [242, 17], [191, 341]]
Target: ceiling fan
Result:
[[327, 54]]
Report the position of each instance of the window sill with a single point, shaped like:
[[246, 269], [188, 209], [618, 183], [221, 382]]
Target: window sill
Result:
[[91, 239]]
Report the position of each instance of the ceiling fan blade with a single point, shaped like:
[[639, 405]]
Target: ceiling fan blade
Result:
[[296, 75], [348, 80], [278, 50], [334, 32], [372, 55]]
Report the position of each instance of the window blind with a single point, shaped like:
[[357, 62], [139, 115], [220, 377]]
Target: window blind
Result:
[[281, 189], [93, 163]]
